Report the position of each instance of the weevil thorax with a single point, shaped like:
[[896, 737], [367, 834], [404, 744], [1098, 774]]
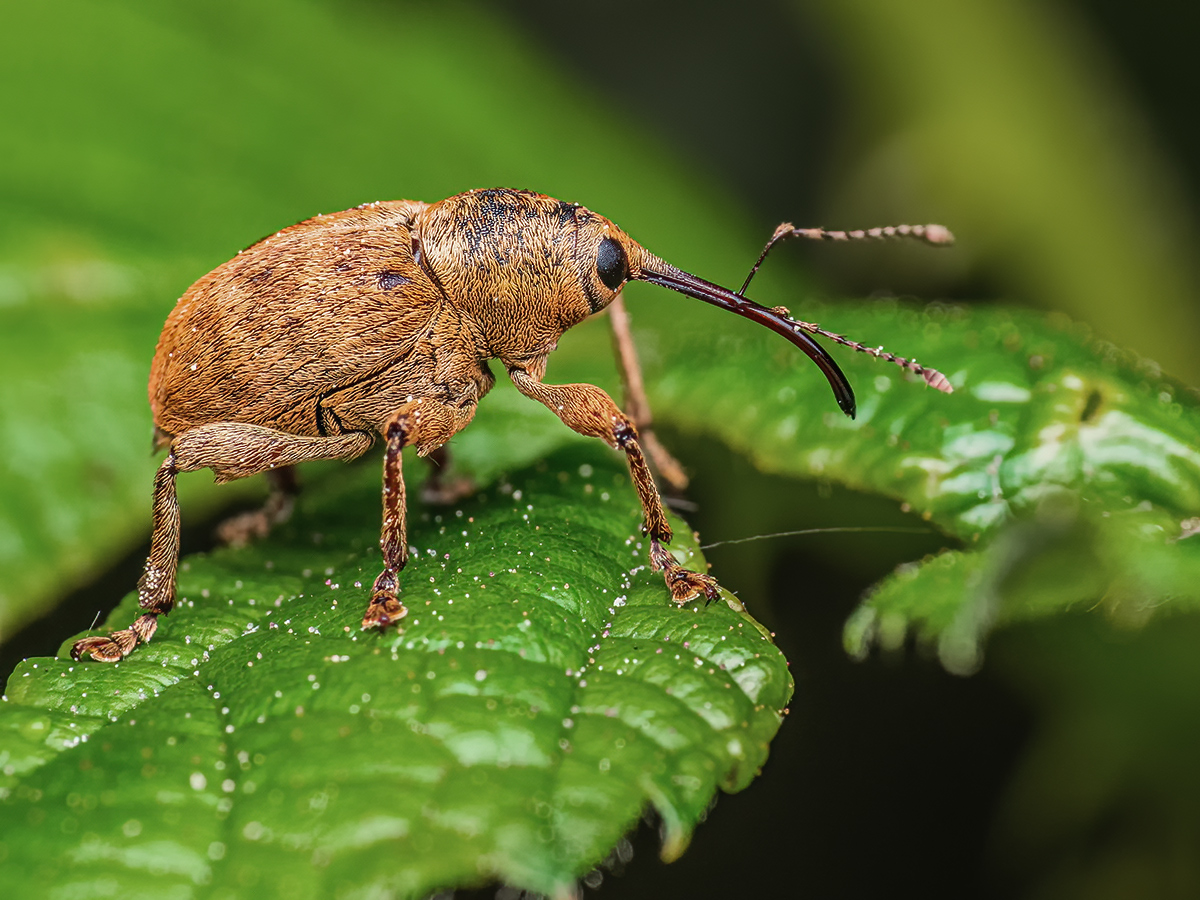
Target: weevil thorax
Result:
[[525, 267]]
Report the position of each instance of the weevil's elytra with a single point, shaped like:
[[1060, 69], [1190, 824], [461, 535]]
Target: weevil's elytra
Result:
[[380, 321]]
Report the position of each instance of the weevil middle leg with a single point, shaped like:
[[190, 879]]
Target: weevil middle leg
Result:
[[241, 529], [427, 425], [637, 406], [588, 410], [440, 488]]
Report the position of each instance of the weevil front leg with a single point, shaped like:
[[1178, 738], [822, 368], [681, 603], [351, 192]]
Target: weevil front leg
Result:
[[588, 410], [232, 450], [636, 403], [427, 424]]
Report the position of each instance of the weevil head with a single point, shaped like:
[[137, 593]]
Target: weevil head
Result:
[[525, 267]]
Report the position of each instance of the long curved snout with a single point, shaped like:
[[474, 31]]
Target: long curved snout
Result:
[[666, 275]]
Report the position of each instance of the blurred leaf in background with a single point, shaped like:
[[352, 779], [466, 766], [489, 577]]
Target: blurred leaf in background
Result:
[[1007, 116]]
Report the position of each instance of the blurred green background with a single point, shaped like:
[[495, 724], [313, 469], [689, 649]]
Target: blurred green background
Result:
[[143, 144]]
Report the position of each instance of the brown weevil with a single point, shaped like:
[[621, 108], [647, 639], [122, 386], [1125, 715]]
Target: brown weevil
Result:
[[381, 320]]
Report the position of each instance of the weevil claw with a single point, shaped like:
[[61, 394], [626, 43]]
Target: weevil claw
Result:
[[119, 644], [384, 610], [686, 585]]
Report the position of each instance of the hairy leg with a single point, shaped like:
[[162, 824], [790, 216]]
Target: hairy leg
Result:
[[232, 450], [426, 424], [588, 410], [636, 404], [156, 587]]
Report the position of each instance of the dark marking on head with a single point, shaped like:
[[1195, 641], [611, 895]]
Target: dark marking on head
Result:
[[389, 280], [566, 212], [491, 219]]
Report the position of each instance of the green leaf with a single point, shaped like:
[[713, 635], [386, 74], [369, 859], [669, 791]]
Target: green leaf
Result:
[[1131, 565], [543, 693], [1071, 466], [171, 144], [1037, 407]]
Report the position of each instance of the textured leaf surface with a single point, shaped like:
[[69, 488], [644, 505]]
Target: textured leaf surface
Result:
[[1074, 467], [1130, 565], [1037, 406], [543, 693]]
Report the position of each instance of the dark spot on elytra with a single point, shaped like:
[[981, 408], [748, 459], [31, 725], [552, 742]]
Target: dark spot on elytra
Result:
[[1092, 406], [389, 280]]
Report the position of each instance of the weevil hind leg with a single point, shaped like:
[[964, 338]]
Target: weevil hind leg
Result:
[[637, 406], [588, 410], [241, 529], [156, 587], [231, 450]]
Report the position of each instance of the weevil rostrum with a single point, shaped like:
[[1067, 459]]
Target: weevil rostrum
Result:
[[382, 320]]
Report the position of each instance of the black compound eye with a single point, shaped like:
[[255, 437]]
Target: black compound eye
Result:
[[611, 264]]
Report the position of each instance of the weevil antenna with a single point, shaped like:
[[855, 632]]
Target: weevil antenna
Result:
[[938, 235], [932, 377]]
